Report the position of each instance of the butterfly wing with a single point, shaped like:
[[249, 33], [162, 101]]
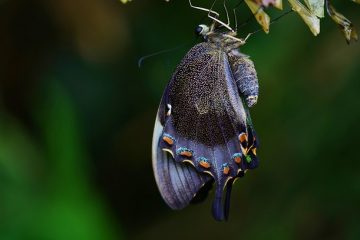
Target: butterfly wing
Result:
[[178, 183], [205, 126]]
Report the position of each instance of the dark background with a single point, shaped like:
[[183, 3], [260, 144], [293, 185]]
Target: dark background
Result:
[[77, 114]]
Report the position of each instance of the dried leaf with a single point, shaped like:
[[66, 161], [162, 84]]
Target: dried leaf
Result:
[[356, 1], [267, 3], [345, 25], [261, 17], [316, 7], [309, 18]]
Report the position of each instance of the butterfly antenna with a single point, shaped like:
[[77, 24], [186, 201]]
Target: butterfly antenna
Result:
[[252, 17], [141, 60], [282, 15], [273, 21]]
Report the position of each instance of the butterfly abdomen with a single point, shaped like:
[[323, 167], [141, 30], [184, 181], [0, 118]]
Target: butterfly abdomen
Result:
[[246, 78]]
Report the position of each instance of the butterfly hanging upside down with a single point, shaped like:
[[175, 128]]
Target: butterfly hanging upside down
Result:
[[203, 132]]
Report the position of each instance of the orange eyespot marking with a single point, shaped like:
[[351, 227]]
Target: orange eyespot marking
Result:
[[226, 169], [186, 154], [204, 162], [243, 137], [168, 139], [254, 151], [237, 157]]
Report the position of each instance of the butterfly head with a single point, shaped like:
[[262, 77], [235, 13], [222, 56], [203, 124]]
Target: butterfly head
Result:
[[202, 30]]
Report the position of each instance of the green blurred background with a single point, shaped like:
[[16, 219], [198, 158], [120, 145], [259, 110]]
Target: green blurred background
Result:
[[77, 114]]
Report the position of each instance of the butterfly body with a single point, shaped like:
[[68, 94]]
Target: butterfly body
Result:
[[203, 131]]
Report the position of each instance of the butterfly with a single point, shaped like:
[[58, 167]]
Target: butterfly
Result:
[[203, 132]]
